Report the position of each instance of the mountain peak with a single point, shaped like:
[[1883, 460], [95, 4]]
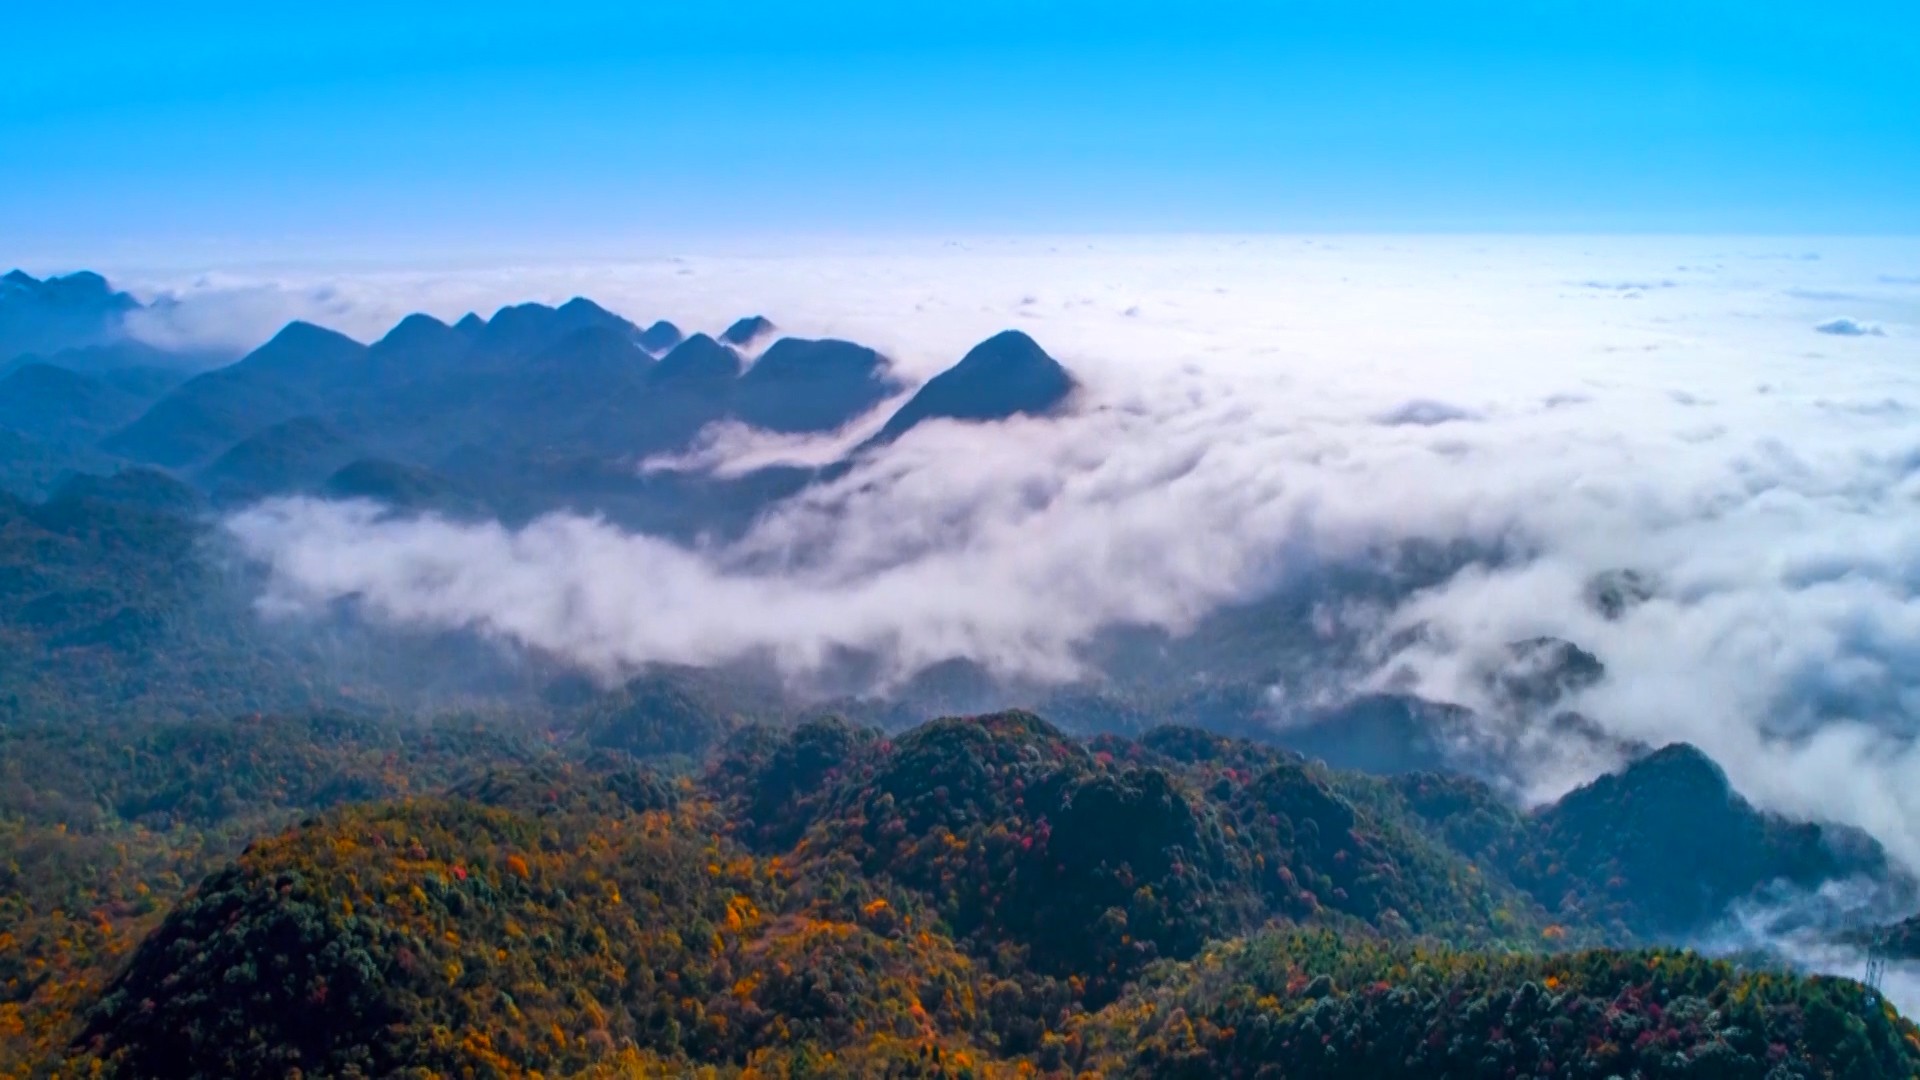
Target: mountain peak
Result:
[[470, 325], [581, 306], [797, 359], [661, 337], [415, 331], [1677, 779], [1007, 375], [748, 330], [85, 290], [512, 312], [803, 385], [302, 333], [595, 347], [580, 313], [699, 359], [85, 280], [1005, 348], [1538, 672], [60, 313], [518, 327], [304, 352], [1685, 766], [421, 319]]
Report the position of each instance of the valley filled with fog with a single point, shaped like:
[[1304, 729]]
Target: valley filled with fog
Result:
[[1251, 413], [1347, 569]]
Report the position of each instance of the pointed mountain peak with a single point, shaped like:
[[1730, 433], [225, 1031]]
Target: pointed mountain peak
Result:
[[87, 290], [601, 345], [529, 329], [302, 350], [699, 359], [515, 312], [81, 281], [1007, 375], [470, 325], [415, 331], [1682, 764], [301, 333], [60, 313], [1007, 349], [581, 312], [661, 337], [791, 359], [420, 320], [581, 306], [802, 385], [748, 330], [1677, 779], [1538, 672], [519, 326]]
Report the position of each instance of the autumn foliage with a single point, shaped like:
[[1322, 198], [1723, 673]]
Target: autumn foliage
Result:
[[973, 897]]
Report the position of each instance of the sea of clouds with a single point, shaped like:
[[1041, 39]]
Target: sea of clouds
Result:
[[1681, 407]]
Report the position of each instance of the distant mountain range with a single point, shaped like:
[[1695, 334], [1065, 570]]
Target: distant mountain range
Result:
[[77, 311], [537, 407], [542, 408]]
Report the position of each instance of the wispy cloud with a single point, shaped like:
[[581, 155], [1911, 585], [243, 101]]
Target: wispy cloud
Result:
[[1231, 435], [1844, 327]]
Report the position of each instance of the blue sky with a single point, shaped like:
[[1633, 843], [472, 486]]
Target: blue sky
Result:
[[276, 128]]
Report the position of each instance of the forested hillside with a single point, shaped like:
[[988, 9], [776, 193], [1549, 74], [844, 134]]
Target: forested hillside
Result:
[[248, 836], [968, 897]]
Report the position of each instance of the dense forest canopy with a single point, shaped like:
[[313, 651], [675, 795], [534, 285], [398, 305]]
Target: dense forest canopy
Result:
[[239, 844]]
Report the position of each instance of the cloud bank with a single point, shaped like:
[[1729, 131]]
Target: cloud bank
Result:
[[1259, 408]]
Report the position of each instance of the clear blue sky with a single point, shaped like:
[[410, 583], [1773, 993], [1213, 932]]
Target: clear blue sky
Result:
[[187, 125]]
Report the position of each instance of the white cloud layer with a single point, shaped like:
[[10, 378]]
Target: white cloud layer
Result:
[[1257, 404]]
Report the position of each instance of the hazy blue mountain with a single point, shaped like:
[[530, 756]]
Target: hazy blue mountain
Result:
[[523, 329], [306, 356], [289, 376], [581, 393], [1006, 375], [31, 468], [517, 327], [1628, 834], [293, 455], [205, 416], [56, 404], [564, 399], [596, 355], [1541, 671], [699, 361], [746, 331], [1383, 734], [124, 355], [801, 385], [137, 489], [661, 337], [399, 485], [147, 383], [45, 317], [421, 335]]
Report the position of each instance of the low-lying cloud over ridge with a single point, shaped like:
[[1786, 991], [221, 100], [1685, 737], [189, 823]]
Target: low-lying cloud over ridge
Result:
[[1253, 407]]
